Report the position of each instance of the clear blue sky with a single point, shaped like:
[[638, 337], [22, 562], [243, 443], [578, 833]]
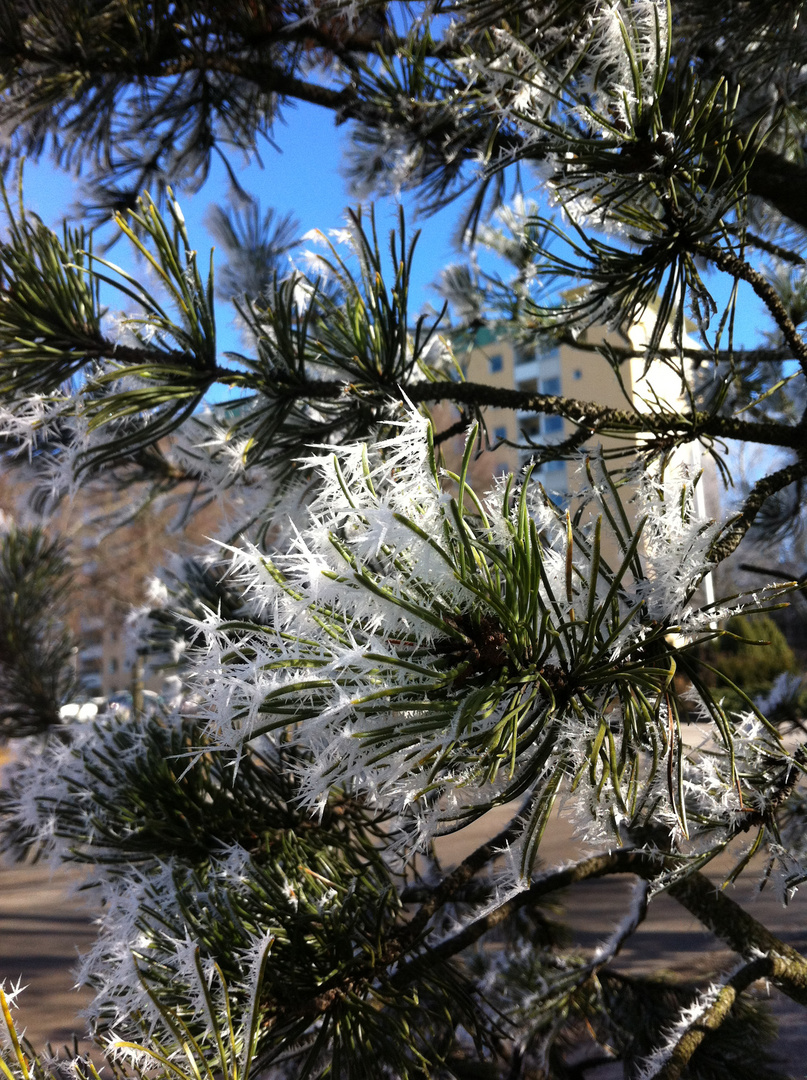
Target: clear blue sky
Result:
[[304, 178]]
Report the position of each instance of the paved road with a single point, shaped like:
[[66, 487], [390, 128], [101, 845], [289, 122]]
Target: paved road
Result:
[[41, 931]]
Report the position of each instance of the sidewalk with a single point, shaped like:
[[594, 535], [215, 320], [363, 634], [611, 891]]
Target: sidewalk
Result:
[[42, 931]]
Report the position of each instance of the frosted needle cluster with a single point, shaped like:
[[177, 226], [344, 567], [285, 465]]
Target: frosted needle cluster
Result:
[[441, 652]]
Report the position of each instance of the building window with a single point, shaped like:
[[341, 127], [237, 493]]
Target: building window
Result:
[[551, 386], [578, 374], [500, 433], [495, 363], [553, 425], [113, 665]]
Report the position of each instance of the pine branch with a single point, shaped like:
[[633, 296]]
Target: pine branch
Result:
[[599, 419], [741, 931], [457, 880], [739, 268], [733, 532], [602, 419], [568, 446], [712, 907], [620, 862], [763, 967], [772, 572], [457, 428], [783, 253], [36, 650]]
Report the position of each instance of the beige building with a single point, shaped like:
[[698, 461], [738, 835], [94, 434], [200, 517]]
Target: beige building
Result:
[[102, 664], [573, 371], [568, 370]]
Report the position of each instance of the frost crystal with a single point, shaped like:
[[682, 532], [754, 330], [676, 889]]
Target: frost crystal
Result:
[[438, 651]]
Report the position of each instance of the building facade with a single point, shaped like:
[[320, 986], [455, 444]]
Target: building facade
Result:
[[581, 372], [569, 370]]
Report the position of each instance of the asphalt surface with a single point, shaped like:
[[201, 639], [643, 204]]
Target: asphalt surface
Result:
[[42, 930]]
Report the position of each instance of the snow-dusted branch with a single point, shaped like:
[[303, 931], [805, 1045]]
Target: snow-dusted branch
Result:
[[706, 1015]]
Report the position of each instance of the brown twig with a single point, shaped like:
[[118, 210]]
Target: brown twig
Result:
[[739, 268], [734, 531], [712, 1017]]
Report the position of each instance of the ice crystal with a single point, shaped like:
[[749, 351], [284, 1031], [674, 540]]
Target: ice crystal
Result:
[[398, 648]]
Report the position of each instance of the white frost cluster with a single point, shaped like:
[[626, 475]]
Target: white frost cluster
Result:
[[438, 653], [615, 64], [518, 86], [591, 78], [676, 542], [400, 655], [625, 53], [61, 791], [689, 1016], [31, 422]]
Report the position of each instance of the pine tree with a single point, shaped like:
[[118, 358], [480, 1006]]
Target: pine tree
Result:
[[381, 653], [36, 648]]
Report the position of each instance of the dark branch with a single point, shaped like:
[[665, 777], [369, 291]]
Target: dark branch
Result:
[[734, 531], [619, 862], [602, 419], [714, 909], [783, 253], [763, 967], [457, 880], [770, 572], [457, 428], [742, 357], [739, 268]]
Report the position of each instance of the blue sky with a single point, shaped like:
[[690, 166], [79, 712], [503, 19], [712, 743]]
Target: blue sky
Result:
[[305, 178]]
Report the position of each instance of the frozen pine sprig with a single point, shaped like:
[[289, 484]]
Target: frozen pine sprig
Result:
[[204, 859], [595, 78], [228, 1045], [163, 1043], [625, 60], [440, 652]]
